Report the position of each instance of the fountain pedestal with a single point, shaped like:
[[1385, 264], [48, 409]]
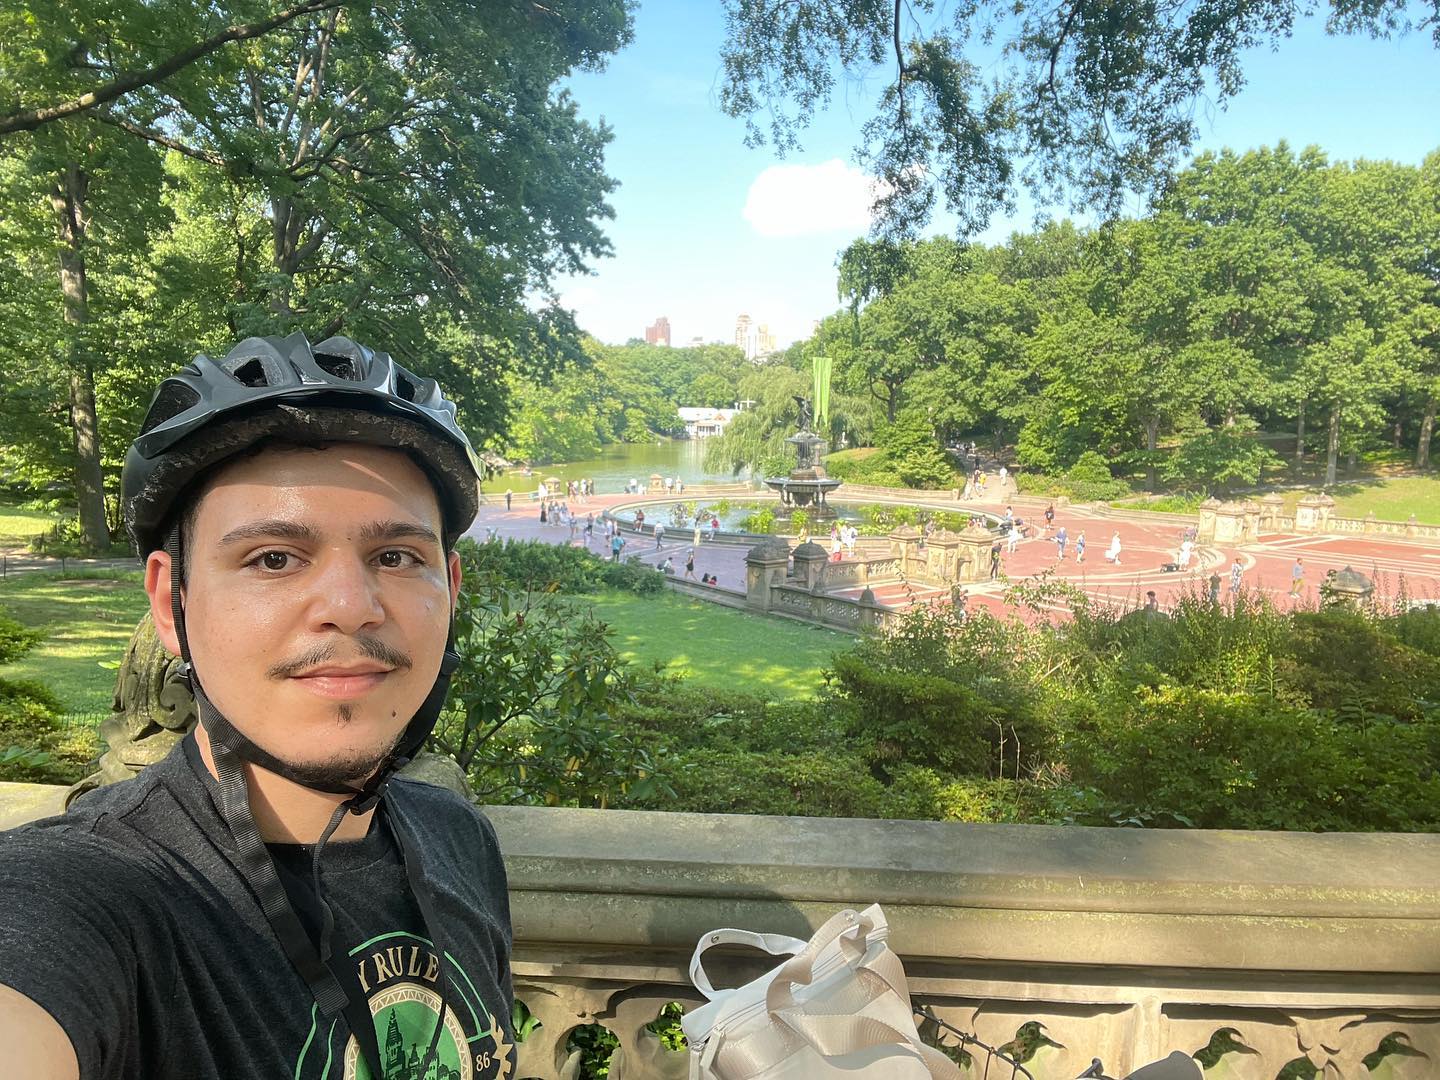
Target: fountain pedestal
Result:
[[807, 485]]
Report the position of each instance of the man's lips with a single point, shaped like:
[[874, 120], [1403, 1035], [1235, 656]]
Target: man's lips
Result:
[[341, 683]]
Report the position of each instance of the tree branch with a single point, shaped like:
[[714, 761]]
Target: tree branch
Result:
[[30, 119], [160, 140]]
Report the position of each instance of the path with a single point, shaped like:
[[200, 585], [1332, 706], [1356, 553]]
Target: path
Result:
[[1145, 547]]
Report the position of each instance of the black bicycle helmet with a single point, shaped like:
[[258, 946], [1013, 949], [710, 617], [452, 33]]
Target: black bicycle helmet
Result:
[[267, 387]]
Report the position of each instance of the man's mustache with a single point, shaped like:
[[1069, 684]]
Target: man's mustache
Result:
[[368, 646]]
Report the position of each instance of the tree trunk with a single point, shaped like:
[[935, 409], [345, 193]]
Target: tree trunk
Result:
[[1152, 440], [1332, 450], [1427, 424], [67, 198], [1300, 435], [1398, 435]]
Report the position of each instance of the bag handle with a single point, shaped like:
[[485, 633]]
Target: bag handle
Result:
[[849, 928], [774, 944]]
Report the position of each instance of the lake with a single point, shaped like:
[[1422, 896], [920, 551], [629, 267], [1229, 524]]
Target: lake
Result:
[[620, 463]]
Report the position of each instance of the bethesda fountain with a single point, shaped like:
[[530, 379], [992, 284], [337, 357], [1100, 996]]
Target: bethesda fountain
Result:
[[806, 486]]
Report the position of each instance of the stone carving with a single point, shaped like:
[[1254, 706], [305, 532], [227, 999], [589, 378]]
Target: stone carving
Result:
[[153, 709]]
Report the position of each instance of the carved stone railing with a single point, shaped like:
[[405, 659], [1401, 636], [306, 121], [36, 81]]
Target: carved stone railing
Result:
[[1124, 944]]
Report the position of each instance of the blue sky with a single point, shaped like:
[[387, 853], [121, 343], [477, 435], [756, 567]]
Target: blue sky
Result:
[[705, 228]]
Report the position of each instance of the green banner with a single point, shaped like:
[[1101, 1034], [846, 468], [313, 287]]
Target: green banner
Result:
[[823, 366]]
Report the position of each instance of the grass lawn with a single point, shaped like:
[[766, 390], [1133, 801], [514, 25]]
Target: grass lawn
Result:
[[19, 527], [86, 621], [716, 646], [1393, 498]]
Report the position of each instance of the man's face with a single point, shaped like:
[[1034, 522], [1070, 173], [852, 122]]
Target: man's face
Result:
[[317, 603]]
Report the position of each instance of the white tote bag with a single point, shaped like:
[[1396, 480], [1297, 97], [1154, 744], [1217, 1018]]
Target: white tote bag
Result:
[[838, 1007]]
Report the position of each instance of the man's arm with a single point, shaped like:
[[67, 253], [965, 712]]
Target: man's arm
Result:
[[35, 1044]]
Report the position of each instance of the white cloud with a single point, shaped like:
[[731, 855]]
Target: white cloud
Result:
[[800, 200]]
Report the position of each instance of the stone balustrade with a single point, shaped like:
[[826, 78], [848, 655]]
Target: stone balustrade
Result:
[[1123, 944]]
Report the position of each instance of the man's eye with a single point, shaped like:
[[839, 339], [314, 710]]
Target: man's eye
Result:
[[274, 560], [397, 560]]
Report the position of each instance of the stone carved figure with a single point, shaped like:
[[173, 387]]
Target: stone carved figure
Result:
[[153, 709]]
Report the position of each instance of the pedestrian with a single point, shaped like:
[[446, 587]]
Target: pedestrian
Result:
[[695, 537], [1152, 602], [640, 518], [852, 534], [1297, 576], [1060, 538], [1214, 588], [659, 534], [1112, 553], [1049, 517], [1237, 570], [543, 512], [1187, 547], [690, 564], [1009, 515], [1004, 475], [667, 567], [1012, 539], [617, 544], [714, 526], [316, 670], [507, 498], [958, 600], [994, 562], [1080, 548]]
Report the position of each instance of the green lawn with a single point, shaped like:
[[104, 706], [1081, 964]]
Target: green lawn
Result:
[[1393, 498], [86, 621], [89, 621], [718, 646], [19, 527]]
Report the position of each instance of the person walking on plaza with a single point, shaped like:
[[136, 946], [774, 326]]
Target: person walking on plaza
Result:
[[1049, 517], [1080, 548], [695, 536], [1297, 577], [1237, 570], [690, 565], [994, 561], [507, 498], [1112, 554], [659, 534], [836, 550], [714, 527], [1061, 537], [1187, 547], [617, 543], [1215, 588]]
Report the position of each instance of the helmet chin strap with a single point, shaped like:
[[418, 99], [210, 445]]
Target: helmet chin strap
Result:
[[230, 748]]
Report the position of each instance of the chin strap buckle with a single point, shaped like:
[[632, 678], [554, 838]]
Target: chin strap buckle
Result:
[[368, 797]]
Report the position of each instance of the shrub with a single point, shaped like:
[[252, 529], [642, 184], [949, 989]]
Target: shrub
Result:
[[535, 566]]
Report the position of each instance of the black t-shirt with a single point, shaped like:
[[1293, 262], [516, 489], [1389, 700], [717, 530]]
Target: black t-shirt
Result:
[[127, 922]]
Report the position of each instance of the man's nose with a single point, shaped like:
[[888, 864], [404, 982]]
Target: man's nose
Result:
[[346, 596]]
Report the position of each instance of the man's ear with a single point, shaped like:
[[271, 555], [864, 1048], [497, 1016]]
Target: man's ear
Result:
[[157, 588], [454, 567]]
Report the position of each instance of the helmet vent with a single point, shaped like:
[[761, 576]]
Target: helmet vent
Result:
[[405, 387], [172, 400], [341, 367], [250, 373]]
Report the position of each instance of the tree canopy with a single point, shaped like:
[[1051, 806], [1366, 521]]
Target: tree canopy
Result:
[[1080, 101]]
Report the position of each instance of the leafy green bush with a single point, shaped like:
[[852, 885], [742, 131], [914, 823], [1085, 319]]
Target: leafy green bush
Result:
[[913, 451], [873, 467], [1088, 480], [1181, 502], [536, 566]]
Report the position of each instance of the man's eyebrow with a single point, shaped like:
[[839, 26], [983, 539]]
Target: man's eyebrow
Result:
[[398, 530], [266, 530]]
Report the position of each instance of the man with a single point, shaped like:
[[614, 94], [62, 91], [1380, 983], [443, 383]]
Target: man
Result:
[[508, 495], [616, 543], [1061, 537], [659, 534], [1152, 602], [270, 899], [1297, 576]]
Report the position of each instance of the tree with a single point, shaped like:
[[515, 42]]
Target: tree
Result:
[[1089, 99]]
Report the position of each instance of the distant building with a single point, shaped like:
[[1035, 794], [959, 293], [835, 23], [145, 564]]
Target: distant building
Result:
[[659, 332], [764, 342], [695, 342], [703, 423], [744, 341]]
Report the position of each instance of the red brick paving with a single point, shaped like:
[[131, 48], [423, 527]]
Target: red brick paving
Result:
[[1145, 547]]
